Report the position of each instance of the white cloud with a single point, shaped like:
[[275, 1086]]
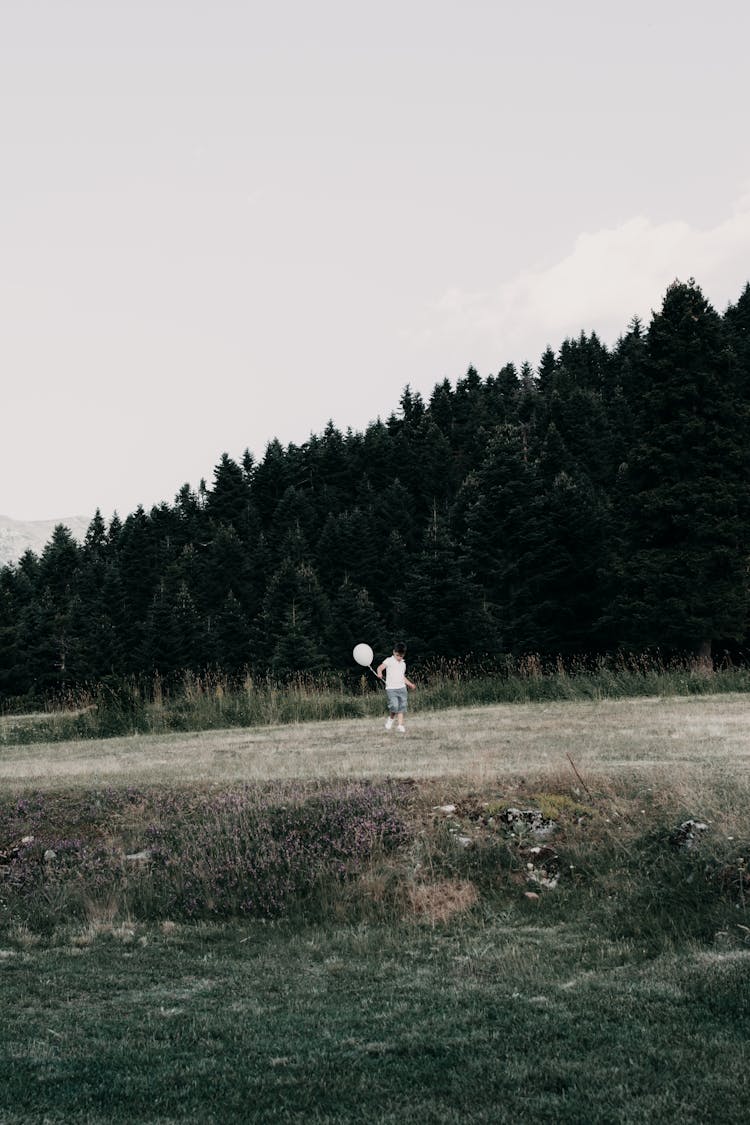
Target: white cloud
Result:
[[608, 277]]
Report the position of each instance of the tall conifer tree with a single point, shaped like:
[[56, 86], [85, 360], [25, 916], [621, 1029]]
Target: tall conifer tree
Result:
[[684, 581]]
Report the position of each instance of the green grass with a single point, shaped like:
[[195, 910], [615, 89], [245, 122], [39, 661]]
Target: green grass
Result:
[[417, 982], [501, 1018]]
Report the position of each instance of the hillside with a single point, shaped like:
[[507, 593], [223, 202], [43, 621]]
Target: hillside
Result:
[[17, 536]]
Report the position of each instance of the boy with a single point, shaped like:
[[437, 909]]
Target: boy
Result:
[[396, 684]]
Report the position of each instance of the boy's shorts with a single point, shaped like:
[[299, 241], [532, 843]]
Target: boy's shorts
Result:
[[396, 699]]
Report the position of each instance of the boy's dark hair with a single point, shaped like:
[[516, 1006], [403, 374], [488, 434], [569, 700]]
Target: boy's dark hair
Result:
[[400, 648]]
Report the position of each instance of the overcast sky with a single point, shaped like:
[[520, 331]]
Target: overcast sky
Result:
[[224, 222]]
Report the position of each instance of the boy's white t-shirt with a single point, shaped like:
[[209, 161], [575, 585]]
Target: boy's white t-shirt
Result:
[[395, 672]]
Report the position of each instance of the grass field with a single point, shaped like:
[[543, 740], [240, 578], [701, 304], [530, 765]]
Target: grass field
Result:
[[389, 970], [497, 1020], [684, 736]]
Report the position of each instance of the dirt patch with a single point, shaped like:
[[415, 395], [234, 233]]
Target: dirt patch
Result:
[[441, 901]]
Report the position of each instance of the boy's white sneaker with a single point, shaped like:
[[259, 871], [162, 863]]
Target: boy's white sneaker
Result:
[[401, 730], [388, 724]]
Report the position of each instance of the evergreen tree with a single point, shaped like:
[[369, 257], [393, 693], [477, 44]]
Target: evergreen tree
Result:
[[295, 648], [42, 644], [393, 510], [582, 363], [114, 532], [56, 585], [330, 472], [138, 557], [95, 542], [502, 395], [294, 547], [469, 418], [582, 422], [444, 611], [229, 501], [330, 555], [436, 479], [172, 634], [412, 407], [554, 457], [80, 653], [109, 655], [191, 630], [224, 566], [547, 372], [294, 513], [568, 594], [294, 604], [352, 553], [684, 581], [737, 324], [507, 537], [389, 590], [270, 481], [529, 400], [232, 637], [189, 518], [11, 682], [377, 461], [354, 619], [59, 566], [441, 408]]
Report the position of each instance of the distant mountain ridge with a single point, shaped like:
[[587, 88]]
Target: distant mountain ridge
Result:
[[17, 536]]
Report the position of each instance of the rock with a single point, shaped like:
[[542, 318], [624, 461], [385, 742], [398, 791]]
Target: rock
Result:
[[447, 809], [541, 855], [542, 879], [531, 820], [49, 855], [688, 834], [464, 841], [139, 857], [542, 866], [26, 841], [532, 896]]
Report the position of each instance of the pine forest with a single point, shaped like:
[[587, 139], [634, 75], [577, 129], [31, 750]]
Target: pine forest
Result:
[[596, 504]]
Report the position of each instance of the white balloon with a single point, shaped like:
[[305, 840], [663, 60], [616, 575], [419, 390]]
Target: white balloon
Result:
[[363, 654]]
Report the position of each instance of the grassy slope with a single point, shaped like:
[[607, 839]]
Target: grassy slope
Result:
[[576, 1007], [666, 739]]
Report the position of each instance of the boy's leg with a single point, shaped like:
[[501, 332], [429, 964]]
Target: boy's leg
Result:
[[391, 713], [400, 719]]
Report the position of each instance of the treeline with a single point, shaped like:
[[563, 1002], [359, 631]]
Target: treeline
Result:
[[597, 503]]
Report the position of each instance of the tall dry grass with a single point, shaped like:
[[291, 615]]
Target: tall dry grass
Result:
[[213, 701]]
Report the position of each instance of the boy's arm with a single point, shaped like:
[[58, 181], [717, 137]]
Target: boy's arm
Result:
[[410, 684], [379, 670]]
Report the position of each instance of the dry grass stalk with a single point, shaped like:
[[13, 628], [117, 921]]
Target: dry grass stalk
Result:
[[440, 901]]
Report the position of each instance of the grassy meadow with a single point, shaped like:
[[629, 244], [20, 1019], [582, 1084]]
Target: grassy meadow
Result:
[[213, 701], [320, 921]]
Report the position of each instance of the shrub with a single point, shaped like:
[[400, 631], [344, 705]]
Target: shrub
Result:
[[176, 853]]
